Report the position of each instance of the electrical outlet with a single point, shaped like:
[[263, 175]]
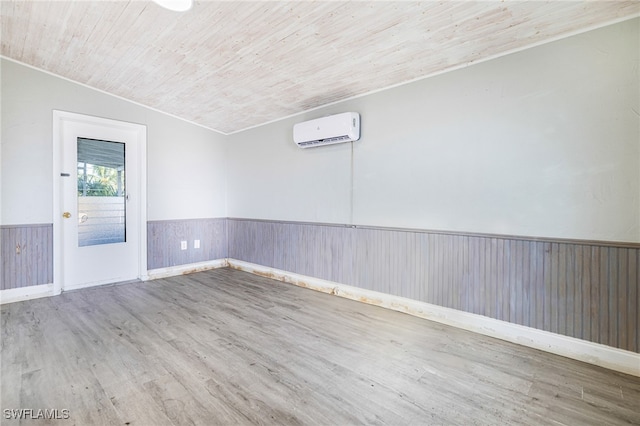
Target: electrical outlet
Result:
[[196, 244], [183, 245]]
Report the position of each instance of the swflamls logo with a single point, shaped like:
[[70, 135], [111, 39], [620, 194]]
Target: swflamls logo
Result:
[[37, 414]]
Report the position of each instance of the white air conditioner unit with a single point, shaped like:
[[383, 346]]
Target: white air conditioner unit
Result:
[[337, 128]]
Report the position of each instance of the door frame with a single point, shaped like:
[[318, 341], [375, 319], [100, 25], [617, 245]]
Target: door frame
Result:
[[60, 117]]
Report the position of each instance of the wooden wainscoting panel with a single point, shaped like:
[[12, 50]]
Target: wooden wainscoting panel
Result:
[[27, 255], [164, 237], [633, 301]]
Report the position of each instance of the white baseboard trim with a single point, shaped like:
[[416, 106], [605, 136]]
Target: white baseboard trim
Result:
[[12, 295], [189, 268], [593, 353], [105, 283]]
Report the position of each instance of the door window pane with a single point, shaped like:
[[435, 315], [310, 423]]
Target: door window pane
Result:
[[101, 192]]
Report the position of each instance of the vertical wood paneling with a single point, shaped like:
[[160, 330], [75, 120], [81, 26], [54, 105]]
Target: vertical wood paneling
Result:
[[535, 295], [443, 285], [402, 264], [622, 294], [448, 290], [587, 291], [495, 308], [484, 262], [577, 284], [477, 302], [441, 269], [525, 282], [531, 281], [26, 254], [561, 308], [513, 284], [594, 279], [164, 237], [7, 264], [461, 267], [464, 297], [613, 295], [603, 318], [569, 285], [633, 301], [552, 306], [280, 240], [407, 266], [548, 290], [432, 268], [419, 267]]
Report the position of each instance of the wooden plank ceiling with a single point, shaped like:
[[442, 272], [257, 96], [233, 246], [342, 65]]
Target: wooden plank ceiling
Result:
[[232, 65]]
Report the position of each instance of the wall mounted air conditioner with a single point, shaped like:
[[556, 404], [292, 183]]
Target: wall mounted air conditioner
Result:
[[337, 128]]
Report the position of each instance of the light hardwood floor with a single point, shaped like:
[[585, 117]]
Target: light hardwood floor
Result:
[[226, 347]]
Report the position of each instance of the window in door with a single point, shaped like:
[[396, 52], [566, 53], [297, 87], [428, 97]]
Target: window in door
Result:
[[101, 192]]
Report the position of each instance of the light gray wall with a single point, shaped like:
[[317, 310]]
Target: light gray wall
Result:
[[186, 173], [271, 178], [544, 142]]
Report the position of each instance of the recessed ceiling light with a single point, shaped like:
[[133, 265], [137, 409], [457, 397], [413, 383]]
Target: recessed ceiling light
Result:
[[175, 5]]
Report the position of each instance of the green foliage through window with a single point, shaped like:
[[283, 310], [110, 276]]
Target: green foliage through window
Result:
[[99, 181]]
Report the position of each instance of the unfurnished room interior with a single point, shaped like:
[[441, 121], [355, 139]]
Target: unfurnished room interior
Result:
[[320, 213]]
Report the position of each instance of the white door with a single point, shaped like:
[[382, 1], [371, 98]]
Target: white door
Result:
[[100, 220]]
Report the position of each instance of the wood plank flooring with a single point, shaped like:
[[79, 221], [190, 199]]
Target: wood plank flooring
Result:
[[225, 347]]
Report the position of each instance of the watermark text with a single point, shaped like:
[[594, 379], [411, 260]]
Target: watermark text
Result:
[[35, 414]]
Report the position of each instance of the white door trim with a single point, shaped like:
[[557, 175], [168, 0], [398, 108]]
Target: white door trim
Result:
[[59, 117]]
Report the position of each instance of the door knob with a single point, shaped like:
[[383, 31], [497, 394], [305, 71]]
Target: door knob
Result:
[[66, 215]]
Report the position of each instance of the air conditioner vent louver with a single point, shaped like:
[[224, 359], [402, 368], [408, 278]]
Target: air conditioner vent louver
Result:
[[334, 129], [337, 139]]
